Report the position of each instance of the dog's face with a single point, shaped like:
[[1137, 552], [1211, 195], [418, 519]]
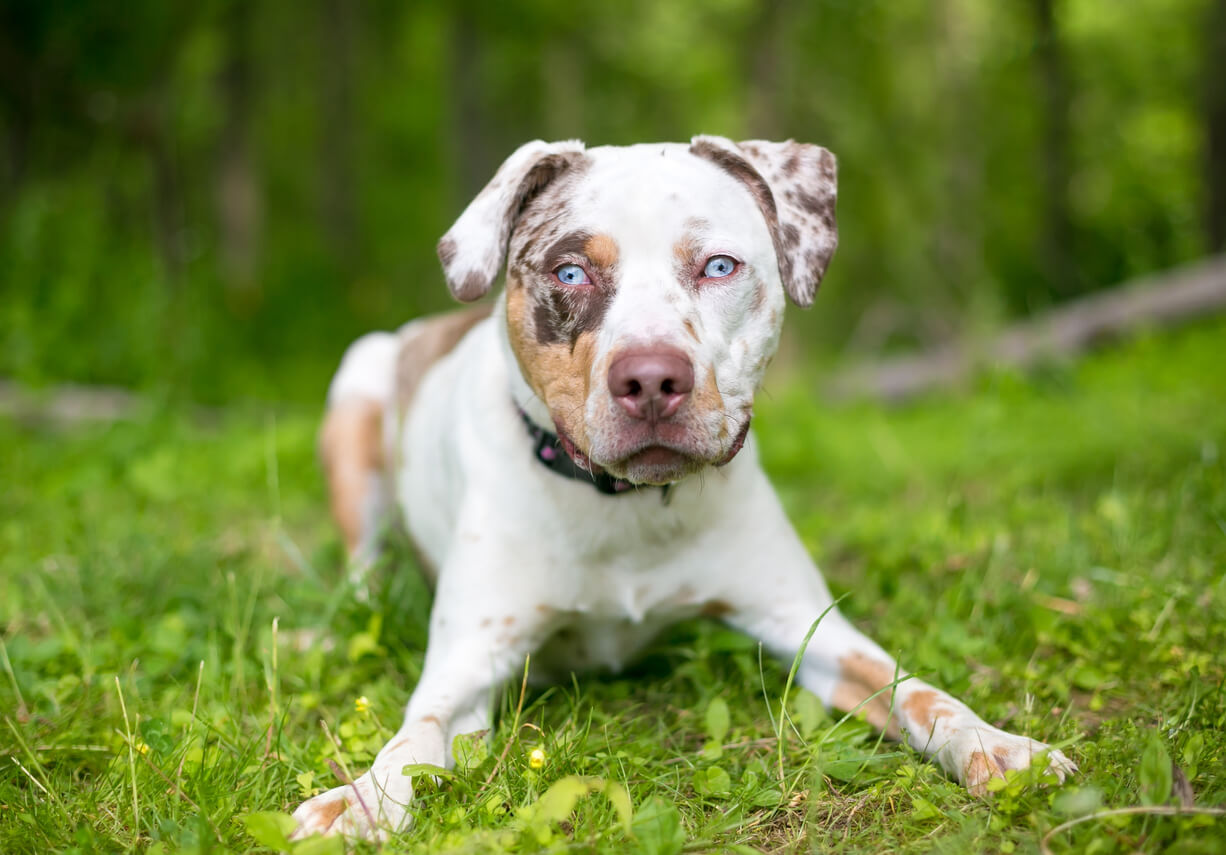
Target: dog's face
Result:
[[646, 285]]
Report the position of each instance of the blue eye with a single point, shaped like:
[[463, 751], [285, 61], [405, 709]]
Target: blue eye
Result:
[[719, 266], [572, 274]]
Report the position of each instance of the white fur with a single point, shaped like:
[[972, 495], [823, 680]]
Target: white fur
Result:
[[522, 553]]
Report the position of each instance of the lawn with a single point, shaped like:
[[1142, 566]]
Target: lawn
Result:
[[182, 659]]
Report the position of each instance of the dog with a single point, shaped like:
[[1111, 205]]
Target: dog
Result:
[[574, 463]]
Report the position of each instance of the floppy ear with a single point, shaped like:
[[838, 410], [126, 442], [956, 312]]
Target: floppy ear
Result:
[[475, 248], [795, 185]]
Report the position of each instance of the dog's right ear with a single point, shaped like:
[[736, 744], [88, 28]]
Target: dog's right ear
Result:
[[475, 248]]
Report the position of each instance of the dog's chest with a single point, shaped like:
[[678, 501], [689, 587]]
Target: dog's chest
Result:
[[616, 614]]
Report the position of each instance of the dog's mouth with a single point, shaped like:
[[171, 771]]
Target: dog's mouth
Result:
[[654, 460]]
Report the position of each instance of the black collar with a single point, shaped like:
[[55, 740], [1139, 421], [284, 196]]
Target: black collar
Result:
[[548, 450]]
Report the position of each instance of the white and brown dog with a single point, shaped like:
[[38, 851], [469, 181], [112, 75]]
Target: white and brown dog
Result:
[[543, 454]]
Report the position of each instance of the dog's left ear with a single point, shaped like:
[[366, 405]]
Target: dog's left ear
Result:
[[795, 185], [474, 249]]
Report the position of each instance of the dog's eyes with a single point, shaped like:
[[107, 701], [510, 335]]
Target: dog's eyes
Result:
[[719, 266], [572, 274]]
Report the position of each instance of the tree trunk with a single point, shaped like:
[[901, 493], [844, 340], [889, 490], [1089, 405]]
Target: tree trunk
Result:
[[765, 43], [168, 211], [337, 132], [239, 203], [469, 133], [1056, 232], [1215, 121], [958, 237]]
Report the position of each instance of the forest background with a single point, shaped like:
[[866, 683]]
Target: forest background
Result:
[[208, 200]]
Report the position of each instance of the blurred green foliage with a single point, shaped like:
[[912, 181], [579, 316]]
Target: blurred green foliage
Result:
[[213, 198]]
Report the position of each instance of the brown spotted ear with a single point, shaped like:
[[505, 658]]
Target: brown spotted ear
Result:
[[475, 248], [795, 185]]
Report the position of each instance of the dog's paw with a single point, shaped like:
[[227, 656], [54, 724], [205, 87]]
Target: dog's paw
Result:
[[981, 754], [360, 811]]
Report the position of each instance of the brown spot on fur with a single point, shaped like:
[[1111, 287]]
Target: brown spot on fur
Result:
[[508, 620], [431, 719], [689, 328], [474, 287], [817, 207], [447, 251], [330, 811], [716, 609], [685, 254], [433, 338], [351, 446], [707, 398], [861, 677], [977, 772], [759, 297], [602, 250], [397, 745], [486, 621], [923, 707], [790, 236], [1002, 760]]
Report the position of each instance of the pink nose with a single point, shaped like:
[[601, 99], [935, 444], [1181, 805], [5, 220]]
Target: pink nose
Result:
[[651, 383]]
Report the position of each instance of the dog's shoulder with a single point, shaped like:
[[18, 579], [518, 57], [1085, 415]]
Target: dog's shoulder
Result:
[[425, 341]]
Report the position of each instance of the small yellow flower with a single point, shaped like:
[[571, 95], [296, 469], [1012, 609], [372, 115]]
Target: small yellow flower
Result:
[[362, 704], [537, 758], [142, 747]]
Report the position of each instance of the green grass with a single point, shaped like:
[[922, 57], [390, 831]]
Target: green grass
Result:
[[1050, 549]]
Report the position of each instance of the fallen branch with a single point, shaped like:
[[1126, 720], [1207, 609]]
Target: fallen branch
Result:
[[1185, 294], [68, 403]]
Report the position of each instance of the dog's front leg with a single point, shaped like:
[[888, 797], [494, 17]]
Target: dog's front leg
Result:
[[779, 601], [478, 639]]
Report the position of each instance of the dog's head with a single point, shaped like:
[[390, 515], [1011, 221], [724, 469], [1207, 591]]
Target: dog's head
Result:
[[646, 285]]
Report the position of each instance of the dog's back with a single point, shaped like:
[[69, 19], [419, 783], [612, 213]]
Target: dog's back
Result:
[[368, 398]]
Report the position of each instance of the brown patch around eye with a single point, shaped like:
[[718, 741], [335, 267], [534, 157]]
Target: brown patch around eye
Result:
[[561, 315], [601, 250], [558, 371], [685, 253], [570, 244]]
